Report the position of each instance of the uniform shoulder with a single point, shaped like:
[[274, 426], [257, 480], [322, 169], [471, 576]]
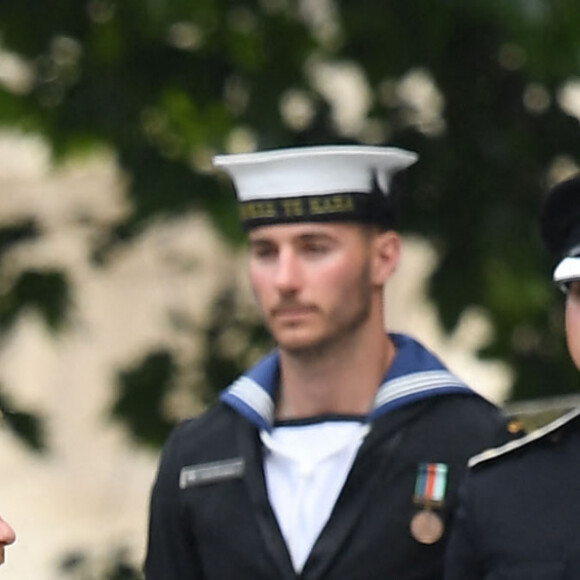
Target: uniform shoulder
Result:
[[211, 426], [526, 442], [469, 412]]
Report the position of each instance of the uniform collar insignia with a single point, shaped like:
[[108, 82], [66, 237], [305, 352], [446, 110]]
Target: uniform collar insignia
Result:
[[539, 434]]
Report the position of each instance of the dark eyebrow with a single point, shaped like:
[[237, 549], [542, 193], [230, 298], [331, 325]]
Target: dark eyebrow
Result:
[[260, 243], [309, 236], [305, 237]]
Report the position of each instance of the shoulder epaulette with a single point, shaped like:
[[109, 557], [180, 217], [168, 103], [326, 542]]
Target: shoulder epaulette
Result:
[[536, 435]]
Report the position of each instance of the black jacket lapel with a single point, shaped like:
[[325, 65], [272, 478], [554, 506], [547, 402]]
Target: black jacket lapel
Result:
[[367, 474], [250, 449]]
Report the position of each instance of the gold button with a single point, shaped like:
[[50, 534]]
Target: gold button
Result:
[[515, 426]]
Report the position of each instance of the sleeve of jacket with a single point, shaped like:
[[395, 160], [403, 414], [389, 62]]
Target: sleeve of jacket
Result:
[[171, 547], [463, 560]]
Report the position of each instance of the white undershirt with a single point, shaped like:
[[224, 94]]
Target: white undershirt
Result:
[[305, 469]]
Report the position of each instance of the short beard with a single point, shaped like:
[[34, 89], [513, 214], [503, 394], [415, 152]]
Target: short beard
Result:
[[343, 335]]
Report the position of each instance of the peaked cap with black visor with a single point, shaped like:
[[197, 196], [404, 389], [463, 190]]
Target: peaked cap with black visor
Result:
[[316, 184], [560, 229]]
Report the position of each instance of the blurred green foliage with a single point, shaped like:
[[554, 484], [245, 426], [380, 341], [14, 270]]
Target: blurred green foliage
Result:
[[45, 291], [167, 83], [28, 426], [140, 397], [77, 565]]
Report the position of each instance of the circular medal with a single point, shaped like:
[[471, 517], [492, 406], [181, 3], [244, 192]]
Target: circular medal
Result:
[[427, 527]]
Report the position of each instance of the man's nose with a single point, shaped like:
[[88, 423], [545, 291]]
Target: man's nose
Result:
[[288, 274]]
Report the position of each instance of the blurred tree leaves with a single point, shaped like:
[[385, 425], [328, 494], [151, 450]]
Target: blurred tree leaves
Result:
[[78, 565], [14, 234], [47, 292], [140, 397], [167, 83], [28, 426], [230, 343]]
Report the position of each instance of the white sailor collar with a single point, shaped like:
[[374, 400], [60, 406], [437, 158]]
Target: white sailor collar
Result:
[[415, 374], [539, 434]]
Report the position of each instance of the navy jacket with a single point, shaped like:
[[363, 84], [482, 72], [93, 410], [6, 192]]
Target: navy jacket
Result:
[[210, 516], [519, 517]]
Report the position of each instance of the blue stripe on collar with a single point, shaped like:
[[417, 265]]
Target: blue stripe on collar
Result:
[[253, 394], [415, 374], [412, 357], [265, 372], [252, 401], [413, 387]]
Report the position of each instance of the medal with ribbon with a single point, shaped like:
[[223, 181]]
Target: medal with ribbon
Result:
[[430, 489]]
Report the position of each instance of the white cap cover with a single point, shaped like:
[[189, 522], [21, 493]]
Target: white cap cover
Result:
[[567, 270], [319, 183]]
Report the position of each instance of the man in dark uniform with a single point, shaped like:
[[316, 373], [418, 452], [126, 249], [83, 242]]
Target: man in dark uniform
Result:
[[519, 516], [338, 455]]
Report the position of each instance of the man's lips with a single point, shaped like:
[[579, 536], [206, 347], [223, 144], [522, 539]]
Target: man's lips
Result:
[[292, 311]]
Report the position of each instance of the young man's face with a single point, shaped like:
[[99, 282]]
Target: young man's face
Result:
[[7, 536], [313, 281], [573, 322]]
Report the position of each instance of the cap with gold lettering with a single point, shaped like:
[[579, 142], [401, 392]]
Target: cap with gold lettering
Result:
[[317, 183]]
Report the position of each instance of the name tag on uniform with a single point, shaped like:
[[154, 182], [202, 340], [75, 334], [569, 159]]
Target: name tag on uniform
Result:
[[214, 472]]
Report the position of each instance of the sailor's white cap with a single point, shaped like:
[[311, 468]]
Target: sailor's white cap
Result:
[[317, 183]]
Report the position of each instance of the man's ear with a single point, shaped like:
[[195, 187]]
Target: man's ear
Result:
[[387, 252]]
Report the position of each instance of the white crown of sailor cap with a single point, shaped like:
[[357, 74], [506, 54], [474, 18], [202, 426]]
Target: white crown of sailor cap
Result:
[[314, 170], [566, 271]]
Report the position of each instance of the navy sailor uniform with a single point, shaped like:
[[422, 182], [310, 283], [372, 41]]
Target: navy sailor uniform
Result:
[[210, 516], [519, 516]]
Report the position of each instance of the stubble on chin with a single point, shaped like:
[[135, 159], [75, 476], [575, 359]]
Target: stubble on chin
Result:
[[334, 340], [303, 349], [310, 348]]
